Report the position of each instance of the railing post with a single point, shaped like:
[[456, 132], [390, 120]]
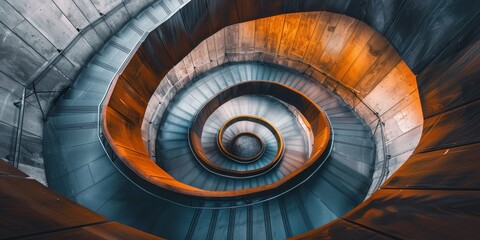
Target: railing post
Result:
[[18, 139]]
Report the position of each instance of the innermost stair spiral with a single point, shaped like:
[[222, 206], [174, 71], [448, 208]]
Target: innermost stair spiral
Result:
[[246, 145]]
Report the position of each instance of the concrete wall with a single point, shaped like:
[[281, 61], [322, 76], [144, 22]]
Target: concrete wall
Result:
[[48, 41], [327, 47]]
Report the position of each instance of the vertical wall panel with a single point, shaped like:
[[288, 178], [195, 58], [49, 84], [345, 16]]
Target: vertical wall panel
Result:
[[307, 26], [317, 34], [247, 36], [289, 32], [9, 16], [261, 34], [330, 26], [337, 42], [232, 43], [410, 18], [88, 9], [456, 127], [383, 97], [117, 19], [375, 46], [35, 39], [454, 73], [248, 9], [173, 34], [378, 14], [156, 55], [275, 33], [270, 7], [421, 214], [71, 11], [44, 15], [448, 20], [79, 54], [222, 13], [453, 168], [26, 60], [140, 76], [341, 229], [220, 45], [197, 21], [105, 6], [200, 56], [356, 43], [335, 6], [387, 60]]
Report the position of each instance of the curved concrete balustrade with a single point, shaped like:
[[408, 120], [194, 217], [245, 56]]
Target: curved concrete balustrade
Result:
[[313, 114]]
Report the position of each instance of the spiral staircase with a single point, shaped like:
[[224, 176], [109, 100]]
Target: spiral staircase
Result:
[[246, 146], [340, 184]]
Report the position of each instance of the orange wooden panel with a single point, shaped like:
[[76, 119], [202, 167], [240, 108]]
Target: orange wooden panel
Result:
[[357, 42], [111, 230], [27, 207], [261, 34], [127, 101], [305, 32], [141, 163], [275, 33], [377, 72], [452, 168], [9, 170], [141, 77], [376, 46], [341, 229], [288, 34], [121, 131], [337, 42], [322, 42], [385, 95], [421, 214], [459, 126], [320, 27], [131, 70]]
